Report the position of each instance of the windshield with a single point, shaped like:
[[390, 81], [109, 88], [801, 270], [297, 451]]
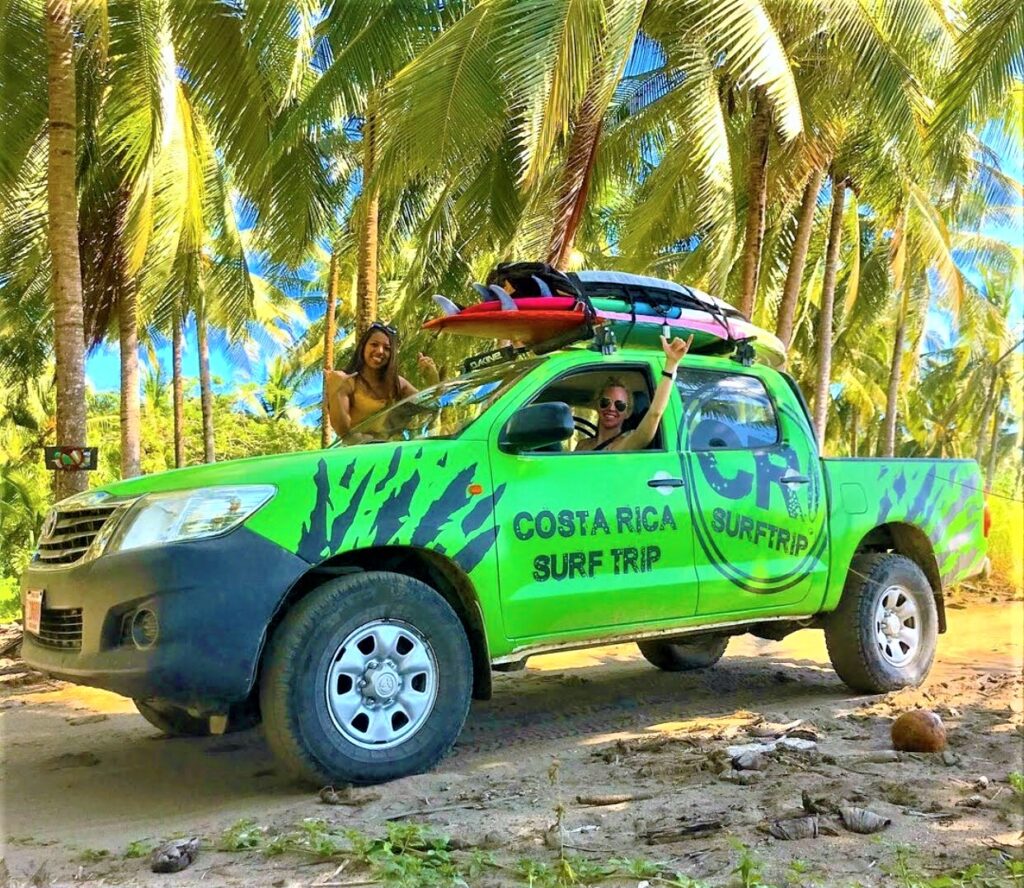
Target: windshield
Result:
[[441, 411]]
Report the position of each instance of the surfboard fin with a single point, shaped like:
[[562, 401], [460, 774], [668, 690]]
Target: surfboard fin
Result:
[[542, 287], [507, 302], [446, 305], [483, 292]]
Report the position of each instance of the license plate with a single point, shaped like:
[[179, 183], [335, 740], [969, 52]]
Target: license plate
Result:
[[33, 610]]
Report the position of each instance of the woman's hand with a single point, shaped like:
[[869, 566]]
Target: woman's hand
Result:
[[675, 350], [427, 367]]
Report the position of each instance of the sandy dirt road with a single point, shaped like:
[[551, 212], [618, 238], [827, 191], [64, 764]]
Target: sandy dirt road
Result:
[[84, 776]]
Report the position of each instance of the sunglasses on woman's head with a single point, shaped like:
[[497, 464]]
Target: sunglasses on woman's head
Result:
[[605, 403], [386, 328]]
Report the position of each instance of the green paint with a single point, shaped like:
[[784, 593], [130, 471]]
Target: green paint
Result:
[[564, 546]]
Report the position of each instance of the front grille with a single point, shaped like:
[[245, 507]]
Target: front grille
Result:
[[61, 628], [72, 534]]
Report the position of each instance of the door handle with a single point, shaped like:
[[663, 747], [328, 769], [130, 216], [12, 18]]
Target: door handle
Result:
[[666, 482], [795, 479]]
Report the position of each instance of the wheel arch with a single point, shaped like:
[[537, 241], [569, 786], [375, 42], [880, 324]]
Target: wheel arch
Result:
[[437, 571], [911, 541]]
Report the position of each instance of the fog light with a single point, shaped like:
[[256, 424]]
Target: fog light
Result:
[[145, 629]]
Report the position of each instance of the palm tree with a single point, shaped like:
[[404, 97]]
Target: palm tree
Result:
[[798, 258], [543, 79], [368, 220], [828, 291], [69, 334], [330, 333]]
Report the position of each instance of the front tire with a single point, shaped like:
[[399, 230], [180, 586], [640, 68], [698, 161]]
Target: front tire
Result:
[[685, 656], [368, 679], [883, 635]]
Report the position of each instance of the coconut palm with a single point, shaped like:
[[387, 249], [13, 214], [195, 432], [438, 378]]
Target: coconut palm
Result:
[[547, 79], [69, 345]]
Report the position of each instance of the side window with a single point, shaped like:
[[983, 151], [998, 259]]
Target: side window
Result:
[[723, 411], [582, 390]]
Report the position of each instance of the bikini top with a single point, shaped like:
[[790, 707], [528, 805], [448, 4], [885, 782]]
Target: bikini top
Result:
[[363, 403]]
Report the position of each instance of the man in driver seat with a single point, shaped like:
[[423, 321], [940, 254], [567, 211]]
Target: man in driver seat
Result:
[[614, 404]]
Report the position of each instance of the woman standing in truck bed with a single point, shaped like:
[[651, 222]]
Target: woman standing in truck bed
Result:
[[371, 381]]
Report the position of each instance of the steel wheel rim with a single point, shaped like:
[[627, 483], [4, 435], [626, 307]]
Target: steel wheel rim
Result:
[[897, 626], [381, 684]]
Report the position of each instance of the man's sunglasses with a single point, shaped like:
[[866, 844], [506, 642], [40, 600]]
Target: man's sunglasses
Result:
[[605, 403], [386, 328]]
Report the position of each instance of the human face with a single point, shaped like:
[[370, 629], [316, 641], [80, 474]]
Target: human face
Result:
[[377, 351], [610, 417]]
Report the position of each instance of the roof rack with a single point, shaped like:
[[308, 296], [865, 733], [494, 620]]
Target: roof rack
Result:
[[511, 353]]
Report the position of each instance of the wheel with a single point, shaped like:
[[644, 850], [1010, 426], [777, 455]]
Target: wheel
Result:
[[176, 721], [368, 679], [882, 637], [683, 656]]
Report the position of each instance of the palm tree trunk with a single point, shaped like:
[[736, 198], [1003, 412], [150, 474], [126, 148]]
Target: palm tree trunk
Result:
[[178, 388], [129, 341], [760, 133], [855, 433], [366, 271], [205, 389], [993, 447], [990, 401], [66, 284], [797, 261], [330, 329], [576, 178], [892, 394], [828, 295]]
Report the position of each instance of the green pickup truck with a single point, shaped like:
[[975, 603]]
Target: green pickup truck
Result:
[[354, 599]]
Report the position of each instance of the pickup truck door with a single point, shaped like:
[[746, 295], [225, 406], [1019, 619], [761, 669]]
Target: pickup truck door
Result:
[[755, 492], [593, 541]]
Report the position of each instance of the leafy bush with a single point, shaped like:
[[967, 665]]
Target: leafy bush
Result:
[[10, 599], [1006, 539]]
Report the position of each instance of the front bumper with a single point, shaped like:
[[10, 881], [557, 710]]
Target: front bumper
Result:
[[213, 601]]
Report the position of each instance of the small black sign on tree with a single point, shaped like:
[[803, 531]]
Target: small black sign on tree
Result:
[[71, 459]]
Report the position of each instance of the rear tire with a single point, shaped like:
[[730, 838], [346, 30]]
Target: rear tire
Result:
[[368, 679], [685, 656], [883, 635]]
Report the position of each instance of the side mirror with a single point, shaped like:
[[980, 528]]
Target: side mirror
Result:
[[537, 426]]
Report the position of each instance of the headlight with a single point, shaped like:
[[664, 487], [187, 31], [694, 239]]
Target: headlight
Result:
[[187, 515]]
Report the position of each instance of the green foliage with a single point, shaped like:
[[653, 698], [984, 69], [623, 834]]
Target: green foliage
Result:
[[908, 870], [1016, 780], [637, 867], [1005, 546], [93, 855], [10, 599], [245, 835], [138, 848], [25, 482], [748, 869]]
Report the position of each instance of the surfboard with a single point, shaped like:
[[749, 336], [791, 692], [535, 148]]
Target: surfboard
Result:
[[709, 331], [638, 309], [526, 303], [528, 326]]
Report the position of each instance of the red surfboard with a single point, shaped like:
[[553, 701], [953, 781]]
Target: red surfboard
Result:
[[525, 303]]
